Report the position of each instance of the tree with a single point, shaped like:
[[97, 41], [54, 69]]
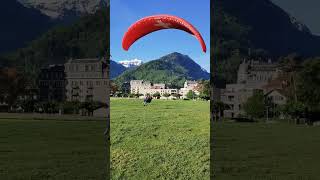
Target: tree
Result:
[[50, 107], [295, 110], [28, 105], [308, 84], [218, 109], [191, 95], [113, 88], [71, 107], [176, 95], [254, 107], [167, 95], [204, 89], [91, 106], [12, 84], [156, 95], [291, 65]]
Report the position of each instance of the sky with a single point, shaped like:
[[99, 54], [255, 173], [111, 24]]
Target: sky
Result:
[[160, 43], [306, 11]]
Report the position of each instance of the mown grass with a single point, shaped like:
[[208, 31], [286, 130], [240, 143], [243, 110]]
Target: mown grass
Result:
[[164, 140], [260, 151], [52, 149]]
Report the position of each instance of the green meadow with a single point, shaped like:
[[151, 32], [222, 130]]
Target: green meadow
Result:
[[164, 140], [260, 151], [52, 149]]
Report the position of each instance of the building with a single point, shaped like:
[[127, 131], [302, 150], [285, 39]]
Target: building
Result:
[[277, 97], [189, 86], [253, 76], [52, 83], [32, 93], [140, 86], [234, 95], [146, 87], [87, 80]]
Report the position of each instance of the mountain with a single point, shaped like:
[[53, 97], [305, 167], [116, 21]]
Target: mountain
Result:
[[19, 25], [85, 38], [173, 69], [65, 9], [25, 20], [263, 25], [256, 29], [131, 63], [116, 69]]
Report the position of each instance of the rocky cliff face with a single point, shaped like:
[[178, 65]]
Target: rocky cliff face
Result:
[[59, 9], [266, 27]]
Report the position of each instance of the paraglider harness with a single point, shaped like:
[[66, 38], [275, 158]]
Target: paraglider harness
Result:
[[147, 100]]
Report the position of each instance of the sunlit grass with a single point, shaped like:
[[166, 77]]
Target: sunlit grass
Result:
[[164, 140]]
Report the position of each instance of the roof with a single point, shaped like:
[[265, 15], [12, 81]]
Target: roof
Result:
[[280, 91], [192, 82], [278, 83]]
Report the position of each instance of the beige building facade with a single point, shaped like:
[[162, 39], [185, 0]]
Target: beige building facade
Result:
[[146, 87], [252, 76], [189, 86], [87, 80]]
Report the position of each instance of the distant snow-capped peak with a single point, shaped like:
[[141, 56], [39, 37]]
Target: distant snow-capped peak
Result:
[[131, 63]]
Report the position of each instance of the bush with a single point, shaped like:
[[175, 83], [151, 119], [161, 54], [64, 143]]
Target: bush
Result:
[[242, 119], [72, 107]]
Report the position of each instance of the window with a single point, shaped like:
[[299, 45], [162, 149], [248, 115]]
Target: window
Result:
[[230, 98]]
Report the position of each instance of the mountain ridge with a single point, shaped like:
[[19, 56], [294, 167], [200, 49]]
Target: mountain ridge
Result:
[[256, 30], [271, 28], [60, 9], [20, 25], [116, 69], [172, 69]]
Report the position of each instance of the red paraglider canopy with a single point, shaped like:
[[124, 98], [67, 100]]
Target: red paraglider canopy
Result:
[[154, 23]]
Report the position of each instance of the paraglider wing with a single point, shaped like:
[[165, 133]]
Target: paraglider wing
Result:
[[154, 23]]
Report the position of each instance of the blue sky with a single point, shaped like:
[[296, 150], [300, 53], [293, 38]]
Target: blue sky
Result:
[[155, 45]]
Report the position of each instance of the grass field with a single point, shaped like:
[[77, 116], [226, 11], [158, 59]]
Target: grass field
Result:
[[164, 140], [52, 149], [262, 151]]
